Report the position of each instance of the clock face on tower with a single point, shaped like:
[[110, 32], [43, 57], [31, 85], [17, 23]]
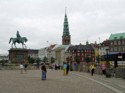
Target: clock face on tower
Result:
[[66, 40]]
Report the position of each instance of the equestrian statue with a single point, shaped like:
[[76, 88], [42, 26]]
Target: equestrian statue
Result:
[[18, 40]]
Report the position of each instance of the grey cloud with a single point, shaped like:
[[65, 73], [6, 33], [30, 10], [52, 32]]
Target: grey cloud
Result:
[[42, 20]]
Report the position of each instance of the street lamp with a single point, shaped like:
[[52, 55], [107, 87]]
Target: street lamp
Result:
[[108, 71], [107, 58], [49, 52], [107, 55]]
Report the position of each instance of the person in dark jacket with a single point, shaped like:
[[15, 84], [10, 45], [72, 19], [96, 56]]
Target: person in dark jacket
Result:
[[44, 70], [67, 69], [25, 67]]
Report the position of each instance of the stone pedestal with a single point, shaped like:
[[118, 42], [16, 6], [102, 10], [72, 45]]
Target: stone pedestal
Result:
[[18, 55]]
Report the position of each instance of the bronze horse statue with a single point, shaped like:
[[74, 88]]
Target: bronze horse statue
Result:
[[21, 40]]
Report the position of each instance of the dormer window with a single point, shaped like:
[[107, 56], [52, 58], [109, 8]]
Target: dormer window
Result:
[[115, 37], [121, 37]]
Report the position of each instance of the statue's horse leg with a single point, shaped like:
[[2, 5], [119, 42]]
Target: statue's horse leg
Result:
[[12, 45], [15, 45], [25, 46], [22, 45]]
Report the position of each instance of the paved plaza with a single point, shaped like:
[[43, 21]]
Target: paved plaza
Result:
[[11, 81]]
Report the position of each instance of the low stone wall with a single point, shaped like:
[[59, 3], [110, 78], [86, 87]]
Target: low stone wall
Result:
[[120, 72], [97, 70], [15, 67]]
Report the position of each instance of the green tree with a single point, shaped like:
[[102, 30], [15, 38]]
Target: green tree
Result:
[[37, 60], [52, 60], [97, 59], [67, 59], [87, 60], [3, 62], [31, 60], [77, 59], [45, 59]]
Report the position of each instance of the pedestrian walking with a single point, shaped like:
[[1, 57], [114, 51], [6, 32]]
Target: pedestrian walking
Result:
[[25, 67], [64, 69], [51, 67], [92, 69], [21, 68], [103, 68], [44, 71], [56, 66], [67, 69]]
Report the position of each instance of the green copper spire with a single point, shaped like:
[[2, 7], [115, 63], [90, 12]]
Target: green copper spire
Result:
[[66, 26], [66, 35]]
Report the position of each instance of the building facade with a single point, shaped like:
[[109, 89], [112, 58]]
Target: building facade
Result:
[[4, 57], [33, 53], [80, 52], [117, 42]]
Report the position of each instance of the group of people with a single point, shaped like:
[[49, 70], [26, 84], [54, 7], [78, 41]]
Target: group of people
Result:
[[44, 70], [66, 68], [23, 66], [57, 66], [102, 66]]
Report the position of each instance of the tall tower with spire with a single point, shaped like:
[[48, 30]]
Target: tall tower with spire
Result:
[[66, 35]]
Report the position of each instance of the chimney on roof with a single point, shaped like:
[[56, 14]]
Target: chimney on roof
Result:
[[87, 42], [95, 42]]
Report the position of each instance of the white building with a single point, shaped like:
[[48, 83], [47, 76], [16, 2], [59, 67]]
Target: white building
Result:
[[33, 53], [60, 53], [47, 52], [42, 53], [4, 57]]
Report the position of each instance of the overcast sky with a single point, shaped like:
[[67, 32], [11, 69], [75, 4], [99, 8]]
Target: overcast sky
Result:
[[42, 20]]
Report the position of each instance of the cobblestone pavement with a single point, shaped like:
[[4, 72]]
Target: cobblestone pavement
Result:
[[11, 81]]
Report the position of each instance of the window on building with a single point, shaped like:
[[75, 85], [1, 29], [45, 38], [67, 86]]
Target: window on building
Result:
[[123, 42], [115, 38], [119, 42], [115, 48], [115, 43], [121, 37], [123, 48], [111, 43], [111, 49], [119, 48]]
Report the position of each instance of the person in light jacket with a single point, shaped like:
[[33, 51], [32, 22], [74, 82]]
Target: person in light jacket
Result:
[[92, 68]]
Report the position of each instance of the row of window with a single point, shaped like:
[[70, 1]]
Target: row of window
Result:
[[117, 48], [83, 58], [118, 42], [82, 51]]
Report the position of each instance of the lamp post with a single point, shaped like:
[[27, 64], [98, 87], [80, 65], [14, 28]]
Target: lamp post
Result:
[[108, 71], [49, 52], [81, 60], [107, 59]]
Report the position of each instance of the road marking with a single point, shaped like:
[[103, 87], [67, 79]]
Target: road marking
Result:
[[108, 86]]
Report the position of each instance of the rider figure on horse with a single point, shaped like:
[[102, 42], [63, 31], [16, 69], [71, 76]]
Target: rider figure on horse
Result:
[[18, 36]]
